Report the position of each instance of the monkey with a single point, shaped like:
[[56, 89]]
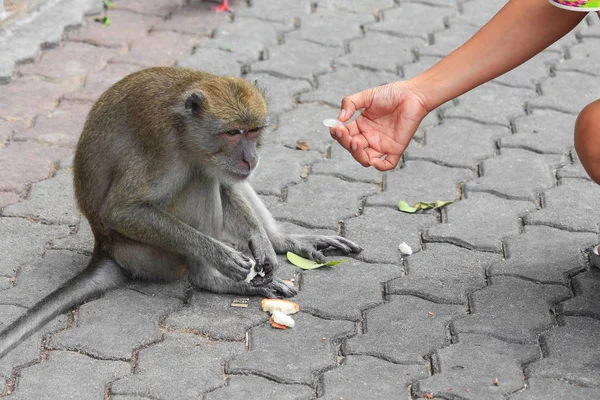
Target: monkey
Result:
[[160, 173]]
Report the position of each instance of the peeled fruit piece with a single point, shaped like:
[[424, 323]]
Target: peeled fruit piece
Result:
[[283, 306], [282, 319]]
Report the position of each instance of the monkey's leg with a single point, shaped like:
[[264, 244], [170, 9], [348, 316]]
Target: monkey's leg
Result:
[[208, 278], [304, 245], [146, 223], [101, 274]]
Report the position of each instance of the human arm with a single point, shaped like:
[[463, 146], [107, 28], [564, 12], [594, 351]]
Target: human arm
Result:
[[393, 112]]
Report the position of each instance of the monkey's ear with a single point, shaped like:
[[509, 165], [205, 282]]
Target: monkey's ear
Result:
[[195, 103]]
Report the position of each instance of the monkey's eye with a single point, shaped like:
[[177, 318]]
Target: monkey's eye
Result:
[[254, 130], [233, 132]]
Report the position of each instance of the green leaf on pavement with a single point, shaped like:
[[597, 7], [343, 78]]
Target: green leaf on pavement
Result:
[[305, 263], [109, 4], [104, 20], [422, 205]]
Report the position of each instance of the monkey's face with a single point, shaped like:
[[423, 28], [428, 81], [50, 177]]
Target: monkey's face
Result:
[[227, 118], [238, 156]]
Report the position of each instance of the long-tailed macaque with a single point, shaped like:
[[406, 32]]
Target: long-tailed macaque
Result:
[[160, 173]]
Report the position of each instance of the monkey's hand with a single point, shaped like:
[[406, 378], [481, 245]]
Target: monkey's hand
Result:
[[231, 263], [310, 246], [266, 259]]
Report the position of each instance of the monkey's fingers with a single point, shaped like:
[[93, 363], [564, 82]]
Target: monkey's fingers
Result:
[[282, 289], [236, 266], [338, 242]]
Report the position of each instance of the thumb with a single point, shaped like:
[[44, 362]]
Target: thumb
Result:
[[353, 102]]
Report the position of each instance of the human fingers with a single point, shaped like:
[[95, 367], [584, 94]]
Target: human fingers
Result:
[[353, 102], [342, 135], [361, 152]]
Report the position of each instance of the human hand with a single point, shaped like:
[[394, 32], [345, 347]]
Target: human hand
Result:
[[392, 113]]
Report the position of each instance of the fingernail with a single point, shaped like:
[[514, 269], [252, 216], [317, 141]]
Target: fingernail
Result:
[[342, 114], [354, 145]]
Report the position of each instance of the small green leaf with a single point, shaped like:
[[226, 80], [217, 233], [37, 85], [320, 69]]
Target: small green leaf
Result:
[[422, 205], [109, 4], [442, 203], [403, 206], [104, 20], [305, 263]]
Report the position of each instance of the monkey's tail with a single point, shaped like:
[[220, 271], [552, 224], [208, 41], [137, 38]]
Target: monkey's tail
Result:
[[101, 274]]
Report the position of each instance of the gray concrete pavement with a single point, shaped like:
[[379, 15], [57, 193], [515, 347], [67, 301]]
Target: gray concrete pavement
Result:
[[498, 301]]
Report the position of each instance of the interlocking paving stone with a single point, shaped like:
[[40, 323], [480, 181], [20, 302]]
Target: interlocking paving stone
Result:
[[38, 279], [195, 18], [570, 353], [298, 59], [444, 144], [280, 166], [470, 367], [247, 37], [25, 98], [160, 8], [421, 181], [217, 61], [304, 123], [182, 367], [330, 28], [545, 255], [549, 388], [363, 377], [544, 131], [29, 351], [285, 11], [177, 289], [161, 48], [587, 299], [443, 273], [115, 325], [254, 387], [24, 163], [503, 175], [334, 86], [125, 27], [366, 6], [23, 242], [491, 103], [8, 128], [569, 206], [405, 330], [280, 93], [581, 59], [61, 127], [69, 63], [517, 320], [72, 375], [379, 231], [213, 316], [569, 98], [341, 164], [322, 190], [310, 347], [344, 291], [574, 170], [407, 20], [480, 222], [82, 241], [97, 82], [51, 200], [373, 52]]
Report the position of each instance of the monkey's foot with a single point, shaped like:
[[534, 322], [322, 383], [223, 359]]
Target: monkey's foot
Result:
[[224, 6], [277, 289]]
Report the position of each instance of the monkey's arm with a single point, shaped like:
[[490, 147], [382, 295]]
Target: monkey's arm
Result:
[[240, 220], [141, 219]]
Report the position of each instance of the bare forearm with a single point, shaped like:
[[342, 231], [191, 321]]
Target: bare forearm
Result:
[[520, 30]]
